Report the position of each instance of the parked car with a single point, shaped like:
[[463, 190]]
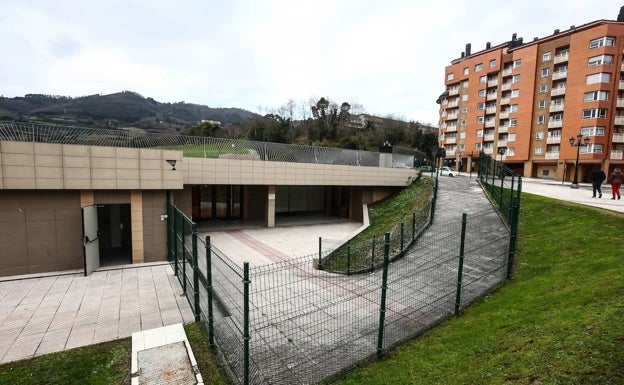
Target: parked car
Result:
[[447, 171]]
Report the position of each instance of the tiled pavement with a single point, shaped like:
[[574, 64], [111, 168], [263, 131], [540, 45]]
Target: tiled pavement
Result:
[[51, 313]]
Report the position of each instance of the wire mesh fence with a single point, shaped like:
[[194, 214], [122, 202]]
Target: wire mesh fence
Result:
[[502, 183], [289, 323], [194, 146]]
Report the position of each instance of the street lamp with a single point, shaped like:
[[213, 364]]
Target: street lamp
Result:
[[577, 142]]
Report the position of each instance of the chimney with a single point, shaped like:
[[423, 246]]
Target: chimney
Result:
[[463, 54], [513, 37], [535, 38], [468, 46], [488, 45], [556, 31], [620, 18]]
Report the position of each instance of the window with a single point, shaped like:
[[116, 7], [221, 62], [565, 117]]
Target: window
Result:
[[600, 60], [483, 79], [479, 133], [543, 88], [478, 146], [593, 131], [515, 93], [492, 63], [478, 67], [545, 72], [511, 137], [541, 104], [513, 123], [462, 147], [482, 92], [480, 119], [462, 135], [596, 95], [538, 150], [607, 41], [465, 84], [601, 77], [595, 113], [546, 56], [539, 135], [511, 151], [463, 122], [541, 119], [465, 97], [464, 109], [481, 106], [556, 117], [513, 108], [594, 148], [515, 78], [466, 71], [517, 63], [449, 76]]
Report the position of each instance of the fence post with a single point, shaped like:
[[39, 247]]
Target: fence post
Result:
[[413, 225], [384, 287], [502, 176], [246, 323], [320, 253], [512, 237], [209, 292], [433, 201], [511, 197], [373, 254], [175, 242], [402, 236], [348, 257], [196, 276], [461, 265], [183, 258]]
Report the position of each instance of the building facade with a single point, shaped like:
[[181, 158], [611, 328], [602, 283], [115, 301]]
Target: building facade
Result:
[[525, 102]]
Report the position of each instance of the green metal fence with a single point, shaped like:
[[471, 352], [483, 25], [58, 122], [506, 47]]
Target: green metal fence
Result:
[[289, 323]]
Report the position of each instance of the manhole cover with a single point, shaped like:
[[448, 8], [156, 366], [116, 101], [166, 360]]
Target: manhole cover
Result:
[[167, 364]]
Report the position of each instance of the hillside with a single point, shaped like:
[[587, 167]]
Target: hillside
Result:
[[122, 109]]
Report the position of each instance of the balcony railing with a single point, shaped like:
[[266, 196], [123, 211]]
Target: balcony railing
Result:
[[505, 101], [502, 129], [556, 107], [622, 67], [503, 115], [492, 83], [488, 137], [552, 155], [502, 143], [451, 140], [506, 86], [553, 140], [555, 123], [620, 103], [618, 138], [559, 75], [490, 123], [616, 154], [507, 71], [488, 150], [619, 120], [490, 110], [492, 96], [560, 58], [451, 128], [557, 91], [453, 91], [452, 104], [621, 86]]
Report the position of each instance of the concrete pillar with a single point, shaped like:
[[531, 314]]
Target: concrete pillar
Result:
[[270, 214], [136, 219]]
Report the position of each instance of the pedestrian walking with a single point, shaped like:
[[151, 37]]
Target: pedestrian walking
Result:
[[597, 177], [616, 180]]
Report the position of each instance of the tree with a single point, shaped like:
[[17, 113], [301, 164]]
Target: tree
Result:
[[330, 117], [429, 145], [203, 129]]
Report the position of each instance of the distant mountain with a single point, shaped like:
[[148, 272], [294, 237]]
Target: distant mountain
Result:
[[122, 109]]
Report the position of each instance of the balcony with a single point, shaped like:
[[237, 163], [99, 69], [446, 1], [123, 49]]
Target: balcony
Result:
[[555, 123], [502, 143], [559, 75], [453, 104], [560, 58], [490, 110], [620, 103], [553, 140], [618, 138], [488, 150], [556, 107], [506, 86], [552, 155], [453, 91], [505, 101], [490, 123], [451, 140], [492, 83], [450, 153], [621, 86], [557, 91], [492, 96], [616, 154], [502, 129], [622, 67], [451, 128], [507, 72], [488, 138], [503, 115], [619, 120], [452, 115]]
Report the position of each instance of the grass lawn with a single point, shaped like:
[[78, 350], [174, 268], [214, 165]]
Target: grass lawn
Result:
[[559, 321]]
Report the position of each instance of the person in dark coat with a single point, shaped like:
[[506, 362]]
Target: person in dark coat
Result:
[[597, 177], [616, 179]]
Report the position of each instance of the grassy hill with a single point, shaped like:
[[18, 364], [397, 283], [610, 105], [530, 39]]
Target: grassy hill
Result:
[[116, 110]]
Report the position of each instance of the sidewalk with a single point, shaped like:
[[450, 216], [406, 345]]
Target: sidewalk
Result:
[[562, 191]]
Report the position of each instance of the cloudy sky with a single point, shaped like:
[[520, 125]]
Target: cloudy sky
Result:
[[389, 56]]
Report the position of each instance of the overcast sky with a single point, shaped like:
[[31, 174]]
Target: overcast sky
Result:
[[389, 56]]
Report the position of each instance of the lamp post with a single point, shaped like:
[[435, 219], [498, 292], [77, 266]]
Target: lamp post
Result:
[[577, 142]]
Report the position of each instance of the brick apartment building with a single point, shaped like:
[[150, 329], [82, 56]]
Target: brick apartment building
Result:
[[525, 102]]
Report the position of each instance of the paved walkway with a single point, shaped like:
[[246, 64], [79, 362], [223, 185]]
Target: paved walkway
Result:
[[47, 314]]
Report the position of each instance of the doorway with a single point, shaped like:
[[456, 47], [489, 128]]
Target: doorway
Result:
[[115, 234]]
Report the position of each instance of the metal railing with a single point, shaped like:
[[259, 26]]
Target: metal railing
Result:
[[194, 146]]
